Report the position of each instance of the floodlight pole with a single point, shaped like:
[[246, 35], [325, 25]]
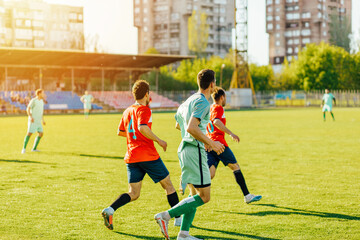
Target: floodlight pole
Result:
[[40, 78]]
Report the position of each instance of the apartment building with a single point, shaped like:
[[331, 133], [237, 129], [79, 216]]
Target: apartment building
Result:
[[291, 24], [37, 24], [163, 24]]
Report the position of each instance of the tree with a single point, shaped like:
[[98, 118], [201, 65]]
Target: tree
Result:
[[198, 30], [262, 77], [340, 31], [151, 50]]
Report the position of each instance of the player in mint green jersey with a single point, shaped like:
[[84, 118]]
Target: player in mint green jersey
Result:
[[192, 118], [87, 99], [327, 102], [35, 111]]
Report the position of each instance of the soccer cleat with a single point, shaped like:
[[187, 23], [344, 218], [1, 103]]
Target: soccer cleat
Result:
[[107, 214], [252, 198], [35, 150], [163, 225], [188, 237], [23, 151], [177, 222]]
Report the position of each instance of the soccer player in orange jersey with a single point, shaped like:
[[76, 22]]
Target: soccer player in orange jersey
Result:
[[141, 157], [216, 130]]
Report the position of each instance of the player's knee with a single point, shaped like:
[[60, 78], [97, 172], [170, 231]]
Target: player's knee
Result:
[[41, 134], [134, 195], [29, 134], [205, 198], [212, 175]]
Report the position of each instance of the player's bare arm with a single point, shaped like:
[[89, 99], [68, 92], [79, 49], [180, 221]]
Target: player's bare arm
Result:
[[121, 133], [177, 126], [146, 131], [220, 125], [29, 113], [334, 101], [194, 130], [43, 121]]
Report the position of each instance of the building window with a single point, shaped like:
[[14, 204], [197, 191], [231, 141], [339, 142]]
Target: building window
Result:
[[305, 40], [277, 35], [296, 50], [268, 2], [289, 50], [324, 33], [277, 26], [290, 42], [306, 15], [269, 9], [277, 1], [306, 24], [269, 18], [306, 32], [296, 41], [277, 43], [270, 26], [277, 18], [277, 60], [278, 9]]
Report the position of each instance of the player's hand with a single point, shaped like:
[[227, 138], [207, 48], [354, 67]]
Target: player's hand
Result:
[[218, 147], [321, 105], [32, 119], [235, 137], [44, 123], [207, 148], [162, 144]]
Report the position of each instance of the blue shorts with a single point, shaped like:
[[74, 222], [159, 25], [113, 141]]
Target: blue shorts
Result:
[[155, 169], [226, 157]]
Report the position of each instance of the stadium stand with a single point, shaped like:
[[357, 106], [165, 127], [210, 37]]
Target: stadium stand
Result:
[[123, 99], [65, 100]]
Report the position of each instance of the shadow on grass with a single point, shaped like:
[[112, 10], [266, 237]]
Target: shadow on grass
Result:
[[298, 212], [230, 233], [141, 237], [85, 155], [23, 161]]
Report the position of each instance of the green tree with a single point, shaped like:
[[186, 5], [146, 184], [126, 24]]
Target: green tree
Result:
[[340, 30], [262, 77], [198, 31], [151, 50]]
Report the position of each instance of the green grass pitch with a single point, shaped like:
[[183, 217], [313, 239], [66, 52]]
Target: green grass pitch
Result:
[[307, 170]]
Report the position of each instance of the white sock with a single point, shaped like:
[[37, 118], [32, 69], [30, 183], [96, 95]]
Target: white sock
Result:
[[184, 233], [166, 215]]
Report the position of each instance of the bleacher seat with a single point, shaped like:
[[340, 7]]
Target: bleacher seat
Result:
[[124, 99]]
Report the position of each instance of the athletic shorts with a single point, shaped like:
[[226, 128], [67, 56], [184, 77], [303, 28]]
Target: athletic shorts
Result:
[[87, 106], [194, 168], [226, 157], [327, 108], [155, 169], [34, 127]]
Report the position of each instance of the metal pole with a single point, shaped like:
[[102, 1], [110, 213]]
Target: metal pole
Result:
[[102, 80], [72, 81], [157, 80], [235, 44], [40, 77], [6, 80], [130, 80]]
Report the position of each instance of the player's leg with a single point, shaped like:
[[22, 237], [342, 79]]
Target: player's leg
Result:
[[37, 140], [332, 115], [135, 177], [188, 218], [213, 162], [26, 141], [228, 158]]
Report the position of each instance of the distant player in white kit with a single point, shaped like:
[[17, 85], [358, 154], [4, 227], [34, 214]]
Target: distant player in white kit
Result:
[[326, 104], [87, 99], [35, 111]]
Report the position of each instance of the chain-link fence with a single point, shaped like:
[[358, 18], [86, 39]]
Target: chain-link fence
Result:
[[289, 98]]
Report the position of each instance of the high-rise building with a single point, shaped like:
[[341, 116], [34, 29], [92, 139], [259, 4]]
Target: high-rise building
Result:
[[163, 24], [292, 24], [37, 24]]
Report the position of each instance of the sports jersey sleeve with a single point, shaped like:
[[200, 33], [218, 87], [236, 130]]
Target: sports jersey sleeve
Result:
[[31, 103], [201, 108], [143, 116], [217, 113], [122, 125]]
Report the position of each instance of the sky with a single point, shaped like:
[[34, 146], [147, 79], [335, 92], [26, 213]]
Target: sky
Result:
[[112, 21]]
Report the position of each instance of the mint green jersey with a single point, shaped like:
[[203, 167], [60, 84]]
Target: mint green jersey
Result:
[[328, 99], [195, 106], [87, 101], [36, 109]]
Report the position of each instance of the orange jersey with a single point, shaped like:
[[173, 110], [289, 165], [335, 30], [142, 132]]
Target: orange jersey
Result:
[[215, 134], [139, 148]]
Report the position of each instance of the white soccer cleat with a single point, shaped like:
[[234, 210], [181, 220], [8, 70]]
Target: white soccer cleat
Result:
[[252, 198], [23, 151], [107, 214], [177, 222], [163, 223], [35, 150], [188, 237]]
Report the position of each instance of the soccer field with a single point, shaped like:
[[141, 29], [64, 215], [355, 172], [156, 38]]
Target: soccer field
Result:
[[307, 170]]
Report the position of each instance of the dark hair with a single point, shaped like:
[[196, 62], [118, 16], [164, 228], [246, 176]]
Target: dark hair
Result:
[[38, 91], [218, 92], [205, 77], [140, 88]]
